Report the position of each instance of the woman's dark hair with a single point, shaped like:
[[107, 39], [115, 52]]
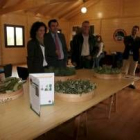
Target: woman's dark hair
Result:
[[35, 28], [52, 20], [99, 36]]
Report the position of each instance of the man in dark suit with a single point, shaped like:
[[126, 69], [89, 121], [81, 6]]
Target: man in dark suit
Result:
[[131, 53], [84, 48], [55, 43]]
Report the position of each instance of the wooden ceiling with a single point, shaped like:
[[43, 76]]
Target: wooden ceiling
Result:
[[62, 9]]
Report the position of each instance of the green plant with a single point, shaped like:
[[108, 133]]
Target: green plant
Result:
[[61, 71], [10, 84], [74, 86], [107, 70]]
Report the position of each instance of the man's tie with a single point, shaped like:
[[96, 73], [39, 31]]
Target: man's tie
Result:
[[57, 46]]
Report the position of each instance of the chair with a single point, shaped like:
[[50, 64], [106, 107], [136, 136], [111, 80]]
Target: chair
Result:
[[23, 73], [1, 71], [138, 69], [8, 70], [1, 74]]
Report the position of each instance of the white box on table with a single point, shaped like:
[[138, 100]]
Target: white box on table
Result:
[[41, 89]]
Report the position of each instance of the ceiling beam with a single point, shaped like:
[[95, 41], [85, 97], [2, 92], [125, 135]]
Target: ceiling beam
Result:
[[58, 9], [77, 10], [28, 4], [40, 9], [2, 3], [58, 1], [69, 9], [46, 12], [17, 7]]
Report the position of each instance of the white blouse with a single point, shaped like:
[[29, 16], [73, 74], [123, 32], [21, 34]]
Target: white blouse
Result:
[[85, 46], [100, 45], [43, 52]]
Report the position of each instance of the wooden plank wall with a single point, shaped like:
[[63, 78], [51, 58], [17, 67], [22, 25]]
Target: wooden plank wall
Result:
[[116, 14], [105, 15], [0, 43], [12, 55], [18, 55]]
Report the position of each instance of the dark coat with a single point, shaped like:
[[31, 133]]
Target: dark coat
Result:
[[34, 57], [131, 45], [77, 48], [52, 57]]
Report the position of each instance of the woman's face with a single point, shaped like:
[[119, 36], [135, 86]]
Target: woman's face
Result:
[[40, 32], [98, 39]]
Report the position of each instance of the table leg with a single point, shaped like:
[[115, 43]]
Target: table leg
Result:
[[77, 123], [85, 124], [113, 103]]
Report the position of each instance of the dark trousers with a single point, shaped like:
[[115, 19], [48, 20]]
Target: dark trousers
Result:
[[96, 61], [85, 63], [58, 63]]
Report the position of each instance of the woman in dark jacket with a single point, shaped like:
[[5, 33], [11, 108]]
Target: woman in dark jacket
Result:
[[36, 49]]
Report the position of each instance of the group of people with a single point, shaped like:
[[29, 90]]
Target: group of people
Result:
[[49, 49], [46, 49]]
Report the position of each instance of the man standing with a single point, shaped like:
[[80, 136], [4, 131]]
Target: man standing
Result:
[[131, 53], [84, 49], [55, 43]]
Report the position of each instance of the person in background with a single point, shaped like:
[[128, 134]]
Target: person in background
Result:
[[100, 44], [36, 50], [131, 53], [56, 46], [84, 48]]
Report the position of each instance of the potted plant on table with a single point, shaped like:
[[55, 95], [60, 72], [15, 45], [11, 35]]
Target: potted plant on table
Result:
[[62, 73], [74, 90], [10, 89], [107, 72]]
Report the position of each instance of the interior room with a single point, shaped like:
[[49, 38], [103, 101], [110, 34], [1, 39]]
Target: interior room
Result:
[[112, 117]]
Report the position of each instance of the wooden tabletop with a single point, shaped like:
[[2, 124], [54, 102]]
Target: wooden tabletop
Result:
[[19, 122]]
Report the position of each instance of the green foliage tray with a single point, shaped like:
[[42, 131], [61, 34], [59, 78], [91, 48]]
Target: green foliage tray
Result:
[[10, 89], [107, 70], [68, 71], [10, 84], [74, 90], [74, 86]]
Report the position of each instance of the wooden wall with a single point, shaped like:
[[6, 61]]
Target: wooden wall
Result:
[[12, 55], [105, 15], [18, 55], [109, 15]]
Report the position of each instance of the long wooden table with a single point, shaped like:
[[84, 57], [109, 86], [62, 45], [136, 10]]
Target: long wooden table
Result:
[[19, 122]]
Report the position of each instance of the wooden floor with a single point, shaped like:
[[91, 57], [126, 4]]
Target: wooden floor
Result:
[[123, 125]]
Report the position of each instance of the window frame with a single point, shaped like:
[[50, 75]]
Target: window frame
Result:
[[5, 35]]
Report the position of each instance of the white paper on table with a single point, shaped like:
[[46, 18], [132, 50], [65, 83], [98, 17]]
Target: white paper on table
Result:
[[34, 95], [47, 90], [41, 90]]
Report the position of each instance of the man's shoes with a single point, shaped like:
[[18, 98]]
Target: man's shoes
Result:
[[132, 86]]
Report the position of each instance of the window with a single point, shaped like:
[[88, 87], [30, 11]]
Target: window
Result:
[[14, 35]]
